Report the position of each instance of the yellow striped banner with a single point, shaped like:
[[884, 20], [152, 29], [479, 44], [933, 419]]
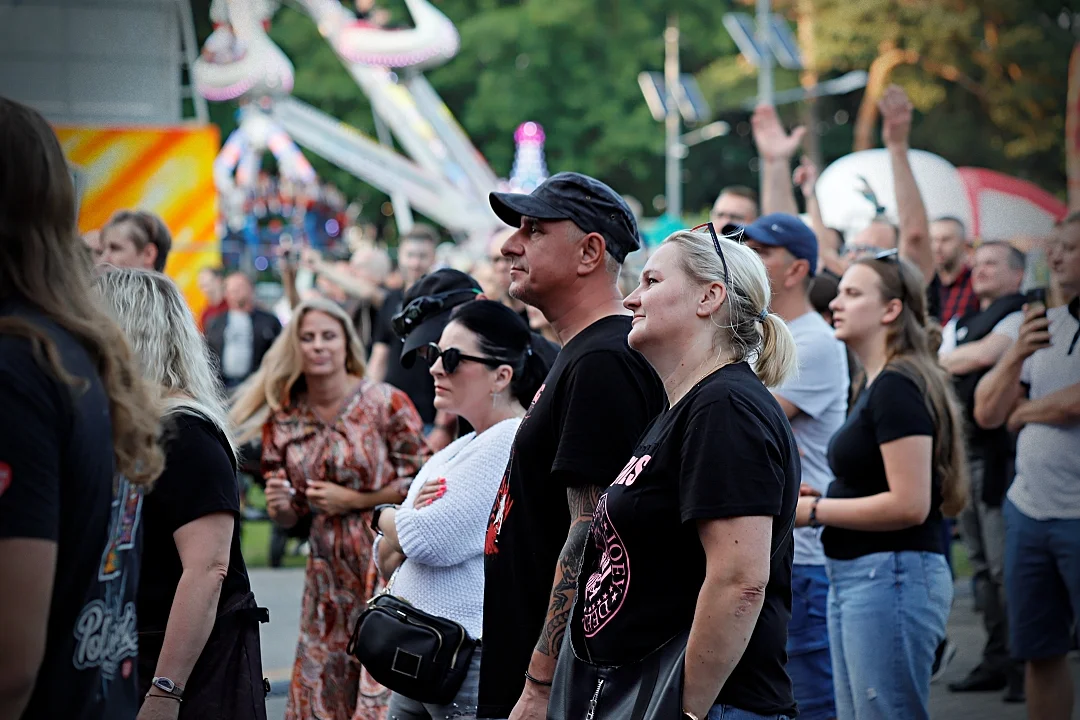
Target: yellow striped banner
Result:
[[165, 170]]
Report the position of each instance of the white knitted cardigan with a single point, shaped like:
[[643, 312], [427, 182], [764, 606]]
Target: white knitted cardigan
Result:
[[443, 573]]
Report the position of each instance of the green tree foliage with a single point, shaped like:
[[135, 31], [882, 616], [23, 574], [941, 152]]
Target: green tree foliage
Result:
[[988, 77]]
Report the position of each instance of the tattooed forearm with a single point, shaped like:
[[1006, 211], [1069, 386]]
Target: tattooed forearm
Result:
[[581, 503]]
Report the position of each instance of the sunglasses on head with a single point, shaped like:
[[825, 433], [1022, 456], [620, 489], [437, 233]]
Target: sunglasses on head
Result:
[[452, 357], [893, 256], [424, 307], [716, 245]]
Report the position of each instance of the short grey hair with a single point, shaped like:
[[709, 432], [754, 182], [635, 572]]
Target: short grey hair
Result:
[[162, 333]]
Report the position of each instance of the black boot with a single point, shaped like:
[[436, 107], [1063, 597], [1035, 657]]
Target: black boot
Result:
[[1014, 691], [981, 679]]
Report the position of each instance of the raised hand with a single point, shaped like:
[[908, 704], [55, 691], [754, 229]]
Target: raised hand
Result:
[[806, 176], [769, 136], [896, 111]]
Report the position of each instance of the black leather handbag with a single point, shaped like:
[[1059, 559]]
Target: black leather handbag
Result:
[[421, 656]]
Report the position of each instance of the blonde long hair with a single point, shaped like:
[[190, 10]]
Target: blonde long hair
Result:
[[767, 344], [911, 344], [161, 330], [44, 262], [280, 376]]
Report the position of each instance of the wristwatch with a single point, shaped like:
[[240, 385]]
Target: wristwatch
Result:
[[376, 512], [813, 513], [168, 687]]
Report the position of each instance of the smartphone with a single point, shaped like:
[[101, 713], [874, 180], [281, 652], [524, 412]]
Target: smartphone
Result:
[[1037, 296]]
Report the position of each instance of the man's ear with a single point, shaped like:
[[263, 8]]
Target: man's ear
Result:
[[593, 249]]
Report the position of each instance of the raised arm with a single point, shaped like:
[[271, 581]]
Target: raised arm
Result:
[[775, 150], [829, 240], [896, 113]]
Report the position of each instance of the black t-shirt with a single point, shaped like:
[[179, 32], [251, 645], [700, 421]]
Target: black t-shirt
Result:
[[891, 407], [58, 483], [725, 450], [580, 428], [416, 382], [198, 480], [933, 298]]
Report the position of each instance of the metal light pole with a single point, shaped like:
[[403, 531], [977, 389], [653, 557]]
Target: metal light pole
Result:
[[765, 64], [672, 147]]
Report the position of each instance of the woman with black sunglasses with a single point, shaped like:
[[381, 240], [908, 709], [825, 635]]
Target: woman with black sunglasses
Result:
[[899, 466], [487, 373]]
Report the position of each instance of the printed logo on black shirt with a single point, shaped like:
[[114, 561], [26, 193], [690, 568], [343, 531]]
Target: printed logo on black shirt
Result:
[[106, 629], [499, 511], [503, 502], [607, 587]]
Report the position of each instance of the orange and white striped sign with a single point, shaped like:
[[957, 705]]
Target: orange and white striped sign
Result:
[[166, 170]]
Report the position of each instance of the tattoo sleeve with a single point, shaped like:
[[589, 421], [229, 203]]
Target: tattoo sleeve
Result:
[[581, 502]]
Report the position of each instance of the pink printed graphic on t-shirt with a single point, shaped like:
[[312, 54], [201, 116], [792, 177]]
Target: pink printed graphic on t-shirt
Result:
[[606, 589]]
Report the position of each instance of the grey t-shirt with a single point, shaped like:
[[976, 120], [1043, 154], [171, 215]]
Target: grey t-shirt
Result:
[[1047, 483], [820, 391]]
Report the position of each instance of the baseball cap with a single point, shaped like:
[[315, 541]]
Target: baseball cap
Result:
[[782, 230], [589, 203], [427, 306]]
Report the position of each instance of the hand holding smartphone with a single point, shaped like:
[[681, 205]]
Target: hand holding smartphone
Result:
[[1035, 330]]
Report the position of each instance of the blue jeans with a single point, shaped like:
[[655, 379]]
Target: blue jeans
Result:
[[463, 706], [1042, 584], [809, 665], [887, 614], [726, 712]]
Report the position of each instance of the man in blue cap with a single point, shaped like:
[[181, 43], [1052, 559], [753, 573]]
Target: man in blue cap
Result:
[[573, 233], [815, 401]]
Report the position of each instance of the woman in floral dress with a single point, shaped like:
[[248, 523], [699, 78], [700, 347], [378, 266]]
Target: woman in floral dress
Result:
[[334, 446]]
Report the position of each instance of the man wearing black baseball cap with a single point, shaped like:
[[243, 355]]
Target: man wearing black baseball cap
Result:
[[573, 233]]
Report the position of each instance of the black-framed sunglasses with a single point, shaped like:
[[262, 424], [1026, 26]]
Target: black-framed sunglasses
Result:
[[424, 307], [716, 245], [452, 357], [893, 256]]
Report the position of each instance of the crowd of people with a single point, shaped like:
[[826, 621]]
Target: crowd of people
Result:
[[771, 427]]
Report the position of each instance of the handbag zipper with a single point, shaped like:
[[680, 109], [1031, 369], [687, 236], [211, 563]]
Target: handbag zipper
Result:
[[595, 699], [417, 623]]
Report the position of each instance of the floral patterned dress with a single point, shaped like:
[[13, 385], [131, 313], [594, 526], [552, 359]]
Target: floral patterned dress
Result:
[[376, 439]]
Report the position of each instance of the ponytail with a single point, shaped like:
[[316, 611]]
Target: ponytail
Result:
[[777, 360]]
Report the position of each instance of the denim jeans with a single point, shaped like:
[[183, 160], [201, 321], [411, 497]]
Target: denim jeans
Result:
[[809, 664], [887, 614], [726, 712], [463, 706], [1042, 579]]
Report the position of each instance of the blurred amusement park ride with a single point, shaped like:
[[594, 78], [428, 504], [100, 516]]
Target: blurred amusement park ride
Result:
[[438, 172]]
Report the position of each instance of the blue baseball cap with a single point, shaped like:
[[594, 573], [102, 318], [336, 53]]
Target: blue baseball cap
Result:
[[782, 230], [589, 203]]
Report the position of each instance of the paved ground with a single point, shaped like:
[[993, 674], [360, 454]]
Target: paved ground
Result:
[[280, 591]]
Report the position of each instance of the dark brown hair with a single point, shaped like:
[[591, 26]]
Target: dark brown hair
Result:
[[911, 349], [43, 262], [144, 228]]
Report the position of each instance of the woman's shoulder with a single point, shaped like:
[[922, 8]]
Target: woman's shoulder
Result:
[[893, 380], [195, 445]]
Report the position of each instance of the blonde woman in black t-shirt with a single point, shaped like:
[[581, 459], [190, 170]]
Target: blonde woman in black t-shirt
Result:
[[713, 481], [198, 633], [899, 466]]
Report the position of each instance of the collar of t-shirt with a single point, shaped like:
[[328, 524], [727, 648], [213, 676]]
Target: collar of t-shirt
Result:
[[1074, 310]]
